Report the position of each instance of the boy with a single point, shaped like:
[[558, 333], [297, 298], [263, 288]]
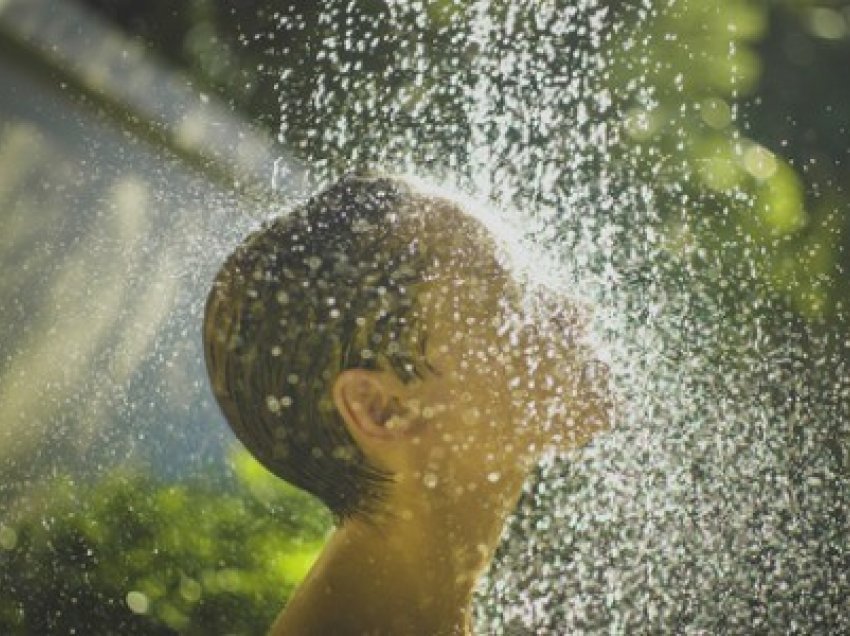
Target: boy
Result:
[[372, 349]]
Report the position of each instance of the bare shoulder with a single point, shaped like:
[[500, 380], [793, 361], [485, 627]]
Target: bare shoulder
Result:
[[280, 627], [301, 616], [290, 621]]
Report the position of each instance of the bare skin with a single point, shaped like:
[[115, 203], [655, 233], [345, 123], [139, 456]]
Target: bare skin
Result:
[[460, 445]]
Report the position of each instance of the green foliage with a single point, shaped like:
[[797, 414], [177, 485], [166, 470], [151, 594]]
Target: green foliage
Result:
[[132, 556], [736, 126]]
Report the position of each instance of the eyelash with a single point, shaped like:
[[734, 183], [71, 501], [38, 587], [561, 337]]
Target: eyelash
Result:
[[423, 344]]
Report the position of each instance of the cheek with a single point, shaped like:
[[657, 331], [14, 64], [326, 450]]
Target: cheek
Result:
[[535, 390]]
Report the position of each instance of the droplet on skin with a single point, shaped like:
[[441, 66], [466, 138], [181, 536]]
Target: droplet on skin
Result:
[[395, 423], [415, 406], [437, 453]]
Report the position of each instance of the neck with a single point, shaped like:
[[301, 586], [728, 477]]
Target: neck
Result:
[[411, 572]]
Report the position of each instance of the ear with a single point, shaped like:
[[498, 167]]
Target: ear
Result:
[[370, 406]]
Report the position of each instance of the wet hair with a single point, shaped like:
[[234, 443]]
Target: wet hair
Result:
[[328, 287]]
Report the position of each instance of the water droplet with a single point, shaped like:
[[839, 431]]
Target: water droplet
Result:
[[137, 602], [272, 403]]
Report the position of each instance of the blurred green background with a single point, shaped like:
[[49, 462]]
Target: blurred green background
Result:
[[751, 100]]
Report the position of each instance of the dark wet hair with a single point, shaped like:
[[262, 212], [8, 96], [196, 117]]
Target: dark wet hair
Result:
[[328, 287]]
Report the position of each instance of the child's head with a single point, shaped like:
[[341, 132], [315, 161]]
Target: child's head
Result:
[[373, 328]]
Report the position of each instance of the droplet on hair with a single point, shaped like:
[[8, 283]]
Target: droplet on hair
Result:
[[273, 404], [343, 453]]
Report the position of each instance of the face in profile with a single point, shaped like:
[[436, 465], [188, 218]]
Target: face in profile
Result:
[[508, 380], [375, 348], [376, 338]]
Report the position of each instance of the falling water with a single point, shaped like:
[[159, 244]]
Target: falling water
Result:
[[718, 503]]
